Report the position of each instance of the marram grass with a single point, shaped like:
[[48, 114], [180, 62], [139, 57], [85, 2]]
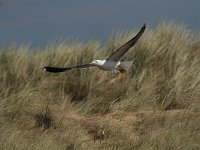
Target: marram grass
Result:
[[156, 105]]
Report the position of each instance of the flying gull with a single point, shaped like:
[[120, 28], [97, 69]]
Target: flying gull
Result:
[[112, 63]]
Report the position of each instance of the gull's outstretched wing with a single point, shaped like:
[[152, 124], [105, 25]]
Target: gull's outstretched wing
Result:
[[57, 70], [118, 54]]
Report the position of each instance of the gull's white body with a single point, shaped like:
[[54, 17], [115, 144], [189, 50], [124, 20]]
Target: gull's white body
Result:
[[113, 66], [105, 65]]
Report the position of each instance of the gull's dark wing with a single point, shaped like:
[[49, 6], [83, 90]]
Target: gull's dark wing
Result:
[[119, 53], [57, 70]]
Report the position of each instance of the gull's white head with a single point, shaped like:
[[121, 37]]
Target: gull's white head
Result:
[[98, 62]]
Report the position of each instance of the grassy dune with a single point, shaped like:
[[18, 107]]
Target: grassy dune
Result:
[[156, 105]]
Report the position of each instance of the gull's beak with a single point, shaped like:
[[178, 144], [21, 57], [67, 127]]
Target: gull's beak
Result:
[[92, 63]]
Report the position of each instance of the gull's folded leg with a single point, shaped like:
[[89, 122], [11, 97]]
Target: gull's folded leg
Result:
[[124, 66]]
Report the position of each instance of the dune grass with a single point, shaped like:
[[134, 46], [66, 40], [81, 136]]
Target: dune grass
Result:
[[155, 105]]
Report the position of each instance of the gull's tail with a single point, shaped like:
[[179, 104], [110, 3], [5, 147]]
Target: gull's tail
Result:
[[124, 66]]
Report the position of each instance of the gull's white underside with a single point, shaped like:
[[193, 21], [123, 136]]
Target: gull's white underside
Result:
[[113, 66]]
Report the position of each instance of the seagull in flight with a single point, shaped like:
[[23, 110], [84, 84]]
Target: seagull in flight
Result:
[[112, 63]]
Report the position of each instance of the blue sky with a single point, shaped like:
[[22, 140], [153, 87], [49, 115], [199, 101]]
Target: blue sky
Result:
[[42, 21]]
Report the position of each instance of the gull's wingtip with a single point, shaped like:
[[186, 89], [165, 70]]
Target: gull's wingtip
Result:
[[144, 26], [44, 69], [55, 69]]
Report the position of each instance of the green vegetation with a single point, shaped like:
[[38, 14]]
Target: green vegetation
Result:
[[155, 105]]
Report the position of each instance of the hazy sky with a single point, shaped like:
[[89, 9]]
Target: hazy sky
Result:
[[41, 21]]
